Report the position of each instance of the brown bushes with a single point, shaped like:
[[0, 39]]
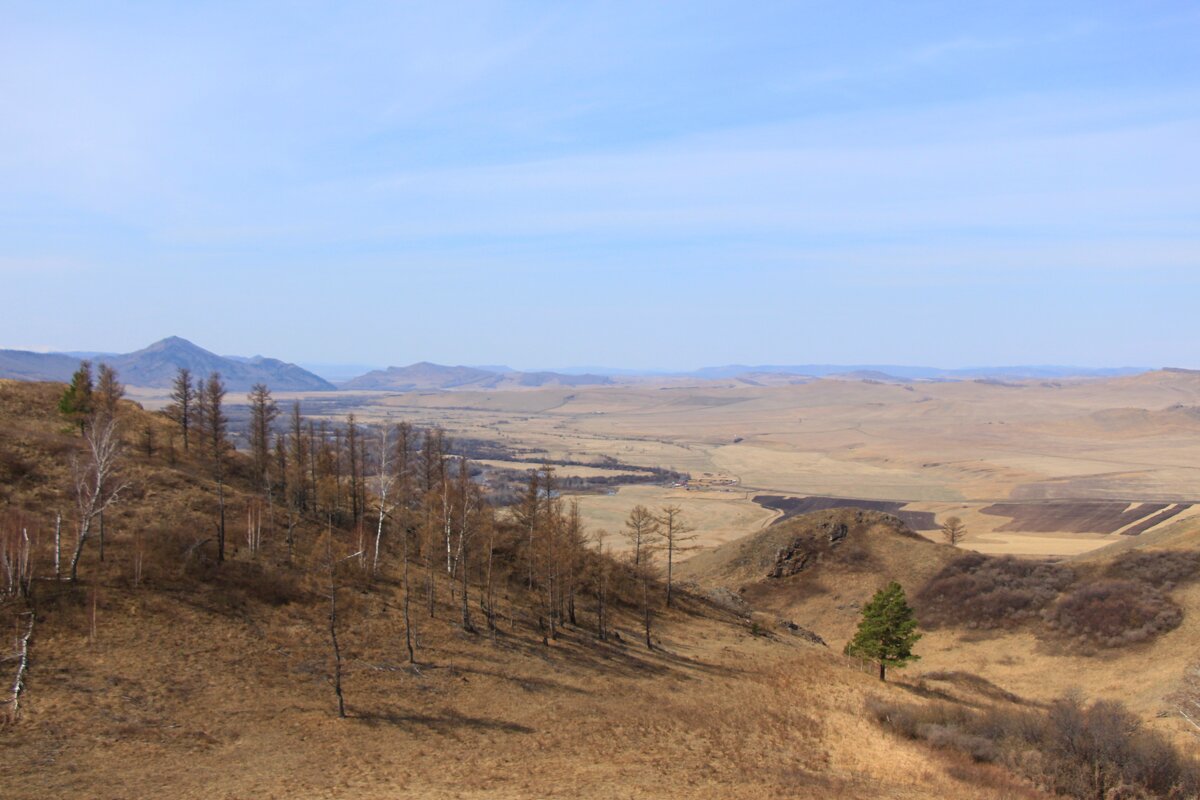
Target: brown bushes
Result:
[[1113, 613], [1123, 608], [1162, 569], [984, 592], [1074, 749]]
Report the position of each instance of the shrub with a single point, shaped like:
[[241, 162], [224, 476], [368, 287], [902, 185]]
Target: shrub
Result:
[[1111, 613], [1162, 569], [985, 592], [1072, 748]]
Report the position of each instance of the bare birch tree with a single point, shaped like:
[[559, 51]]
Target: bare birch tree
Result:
[[385, 480], [97, 481]]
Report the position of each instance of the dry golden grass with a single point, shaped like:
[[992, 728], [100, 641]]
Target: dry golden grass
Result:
[[175, 698], [718, 515]]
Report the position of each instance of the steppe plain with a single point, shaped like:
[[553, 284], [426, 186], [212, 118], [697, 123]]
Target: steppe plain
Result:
[[1068, 460]]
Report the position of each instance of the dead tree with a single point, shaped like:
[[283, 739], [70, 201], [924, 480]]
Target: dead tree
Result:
[[97, 484], [953, 531], [333, 619]]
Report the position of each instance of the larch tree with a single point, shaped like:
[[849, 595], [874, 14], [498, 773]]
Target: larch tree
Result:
[[600, 579], [434, 503], [471, 519], [645, 572], [528, 517], [108, 392], [887, 631], [574, 551], [263, 413], [215, 426], [677, 537], [183, 399], [641, 529], [297, 460], [290, 500]]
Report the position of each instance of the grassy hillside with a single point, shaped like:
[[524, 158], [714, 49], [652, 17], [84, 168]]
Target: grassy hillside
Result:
[[1039, 629], [164, 673]]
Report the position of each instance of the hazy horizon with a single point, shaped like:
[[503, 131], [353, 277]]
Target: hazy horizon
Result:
[[336, 371], [633, 185]]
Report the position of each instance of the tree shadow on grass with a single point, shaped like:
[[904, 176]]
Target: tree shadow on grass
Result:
[[448, 721]]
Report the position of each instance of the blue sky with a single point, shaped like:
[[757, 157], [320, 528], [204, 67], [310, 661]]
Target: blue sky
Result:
[[626, 184]]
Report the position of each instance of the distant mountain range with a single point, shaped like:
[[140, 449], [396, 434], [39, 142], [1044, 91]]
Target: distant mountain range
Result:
[[425, 376], [155, 367], [894, 372]]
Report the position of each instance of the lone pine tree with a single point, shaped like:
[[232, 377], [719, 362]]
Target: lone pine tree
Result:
[[887, 632], [77, 403]]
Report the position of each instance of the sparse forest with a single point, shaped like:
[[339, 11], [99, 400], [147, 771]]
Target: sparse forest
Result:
[[326, 504]]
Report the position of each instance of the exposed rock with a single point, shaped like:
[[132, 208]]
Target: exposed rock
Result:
[[790, 560], [803, 633], [728, 599]]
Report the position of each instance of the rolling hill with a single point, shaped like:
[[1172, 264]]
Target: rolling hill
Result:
[[155, 366]]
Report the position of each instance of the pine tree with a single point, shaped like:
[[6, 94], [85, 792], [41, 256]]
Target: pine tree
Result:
[[77, 403], [887, 632]]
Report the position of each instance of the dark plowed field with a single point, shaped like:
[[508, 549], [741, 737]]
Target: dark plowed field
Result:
[[1080, 516], [1150, 522], [794, 506]]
